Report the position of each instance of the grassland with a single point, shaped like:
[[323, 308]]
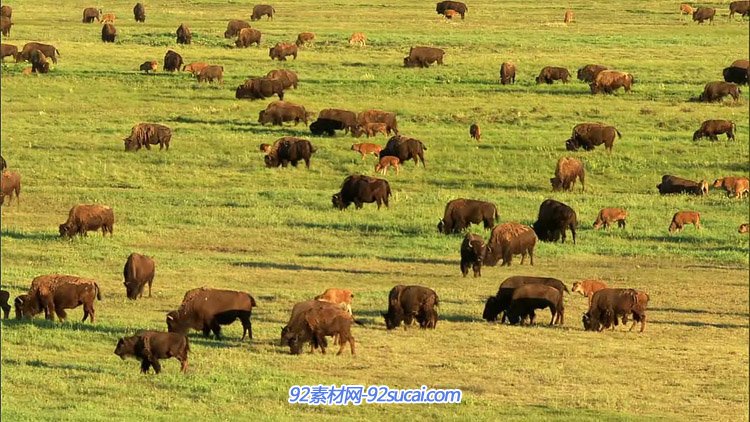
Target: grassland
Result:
[[211, 214]]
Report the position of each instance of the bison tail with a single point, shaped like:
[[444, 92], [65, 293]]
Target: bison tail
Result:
[[619, 135], [252, 301], [358, 322], [98, 292]]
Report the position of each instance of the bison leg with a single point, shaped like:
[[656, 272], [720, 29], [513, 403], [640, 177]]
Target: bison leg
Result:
[[6, 311], [88, 310], [206, 330], [145, 364], [183, 363], [572, 231], [157, 366], [247, 326], [465, 268], [523, 257], [307, 161], [149, 287], [216, 328], [477, 270], [621, 223]]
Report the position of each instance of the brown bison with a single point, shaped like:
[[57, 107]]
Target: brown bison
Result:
[[741, 7], [741, 63], [346, 117], [288, 78], [460, 213], [609, 81], [609, 216], [91, 13], [28, 48], [473, 251], [370, 129], [549, 74], [305, 38], [211, 73], [172, 61], [108, 18], [8, 50], [475, 132], [341, 297], [365, 149], [510, 239], [86, 217], [588, 73], [360, 189], [4, 297], [744, 228], [151, 66], [681, 218], [109, 32], [208, 309], [673, 184], [260, 88], [587, 288], [150, 346], [385, 162], [495, 305], [5, 25], [716, 91], [289, 150], [507, 73], [147, 134], [607, 305], [568, 18], [358, 38], [10, 183], [312, 321], [734, 186], [589, 135], [54, 293], [194, 68], [279, 112], [567, 171], [450, 14], [530, 297], [405, 149], [686, 9], [39, 63], [711, 128], [6, 11], [379, 116], [184, 36], [736, 75], [234, 27], [139, 12], [704, 13], [407, 303], [139, 270], [553, 220], [281, 50], [260, 10], [423, 56], [248, 37], [459, 7]]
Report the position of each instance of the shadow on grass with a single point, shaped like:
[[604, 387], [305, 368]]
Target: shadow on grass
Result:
[[418, 260], [361, 227], [64, 366], [700, 311], [29, 236], [698, 324], [297, 267], [460, 184], [72, 323]]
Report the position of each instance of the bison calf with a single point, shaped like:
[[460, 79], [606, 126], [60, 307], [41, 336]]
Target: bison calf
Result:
[[150, 346], [365, 149], [587, 288], [681, 218], [385, 162], [10, 184], [149, 66], [475, 132], [608, 216]]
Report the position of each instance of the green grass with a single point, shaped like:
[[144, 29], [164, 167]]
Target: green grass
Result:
[[211, 214]]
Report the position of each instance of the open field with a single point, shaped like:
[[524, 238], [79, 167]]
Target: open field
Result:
[[211, 214]]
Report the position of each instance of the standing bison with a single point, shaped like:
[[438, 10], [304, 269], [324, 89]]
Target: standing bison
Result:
[[5, 25], [54, 293], [211, 73], [86, 217], [609, 216], [279, 112], [510, 239], [549, 74], [207, 310], [460, 213], [172, 61], [405, 149], [553, 220], [360, 189], [109, 32], [139, 271], [289, 150], [288, 78], [500, 303], [28, 48], [150, 346], [507, 73], [10, 184], [147, 134], [248, 37], [312, 321], [379, 116], [184, 36], [234, 27], [742, 7], [608, 81], [473, 251], [737, 75], [588, 73], [424, 57], [407, 303], [260, 10], [444, 6], [710, 128], [39, 63], [91, 13], [716, 91], [260, 88], [704, 14], [281, 50], [530, 297], [567, 171], [589, 135], [139, 12]]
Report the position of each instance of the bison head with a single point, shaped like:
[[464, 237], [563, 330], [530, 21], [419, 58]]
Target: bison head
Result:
[[126, 347], [697, 135], [393, 319], [133, 289], [271, 52], [67, 229], [572, 145], [271, 160], [337, 201], [175, 323], [441, 226], [491, 309], [291, 339], [556, 183], [587, 322], [25, 306], [673, 227], [131, 144]]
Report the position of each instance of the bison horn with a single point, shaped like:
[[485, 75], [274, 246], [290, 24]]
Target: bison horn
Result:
[[170, 317]]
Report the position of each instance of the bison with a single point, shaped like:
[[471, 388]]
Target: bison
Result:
[[327, 126], [379, 116], [686, 9], [495, 305], [510, 239], [529, 297], [549, 74], [609, 81], [673, 184], [370, 129], [260, 88], [385, 162], [147, 134], [54, 293], [473, 251], [5, 25], [109, 32], [4, 297], [588, 73], [28, 48], [716, 91], [568, 17], [358, 38], [460, 213], [711, 128], [507, 73], [607, 305], [139, 12], [288, 78], [365, 149], [312, 321], [741, 63], [108, 18], [734, 186], [85, 217], [341, 297], [744, 228], [260, 10], [459, 7], [279, 112], [234, 27], [281, 50], [8, 50], [195, 68], [589, 135], [150, 346], [91, 13], [289, 150], [609, 216], [139, 271], [741, 7], [360, 189], [6, 11], [736, 75], [248, 37], [172, 61], [567, 171], [39, 63], [305, 38], [184, 36], [149, 66], [587, 288], [704, 13], [208, 309], [346, 117], [211, 73], [423, 56], [681, 218], [553, 220], [10, 184], [405, 149], [475, 132], [406, 303]]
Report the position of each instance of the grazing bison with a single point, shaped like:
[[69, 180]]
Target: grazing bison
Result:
[[184, 36], [473, 251], [459, 7], [341, 297], [549, 74], [281, 50], [54, 293], [358, 38], [568, 18], [234, 27], [734, 186], [607, 305], [139, 12], [507, 73], [385, 162], [589, 135], [460, 213], [360, 189], [686, 9], [379, 116], [405, 149], [346, 117], [327, 126], [28, 48], [5, 25], [588, 73], [260, 88], [704, 13], [673, 184], [211, 73], [312, 321], [8, 50], [147, 134], [553, 220], [609, 81], [172, 61], [370, 129], [109, 32], [91, 13], [207, 310], [587, 288], [423, 56], [711, 128], [716, 91], [149, 66], [475, 132], [510, 239], [609, 216], [194, 68], [288, 78], [681, 218], [248, 37], [365, 149], [744, 228], [6, 11], [39, 63], [4, 297], [500, 303], [10, 183], [289, 150], [305, 38], [567, 171], [529, 297], [150, 346], [259, 10], [279, 112], [86, 217], [406, 303], [736, 75], [741, 7], [139, 271]]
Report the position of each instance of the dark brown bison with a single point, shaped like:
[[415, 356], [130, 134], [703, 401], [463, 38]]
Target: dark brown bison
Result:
[[289, 150], [91, 13], [260, 88], [86, 217], [716, 91], [507, 73], [609, 216], [736, 75], [327, 126], [549, 74], [530, 297], [150, 66], [48, 50], [553, 220], [673, 184], [305, 38], [609, 81], [288, 78], [3, 163], [312, 321], [423, 56], [405, 149], [379, 116], [711, 128], [281, 50], [212, 73], [347, 118], [6, 11], [259, 10], [682, 218], [5, 26], [406, 303], [588, 73], [109, 32], [460, 213], [139, 270], [360, 189], [147, 134], [607, 305], [704, 14], [589, 135], [495, 305], [248, 37], [139, 12], [150, 346], [10, 184], [39, 63], [8, 50], [475, 132], [567, 171], [451, 5], [208, 309], [741, 7], [510, 239], [54, 293], [4, 297], [184, 36], [172, 61], [473, 251], [279, 112], [234, 27]]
